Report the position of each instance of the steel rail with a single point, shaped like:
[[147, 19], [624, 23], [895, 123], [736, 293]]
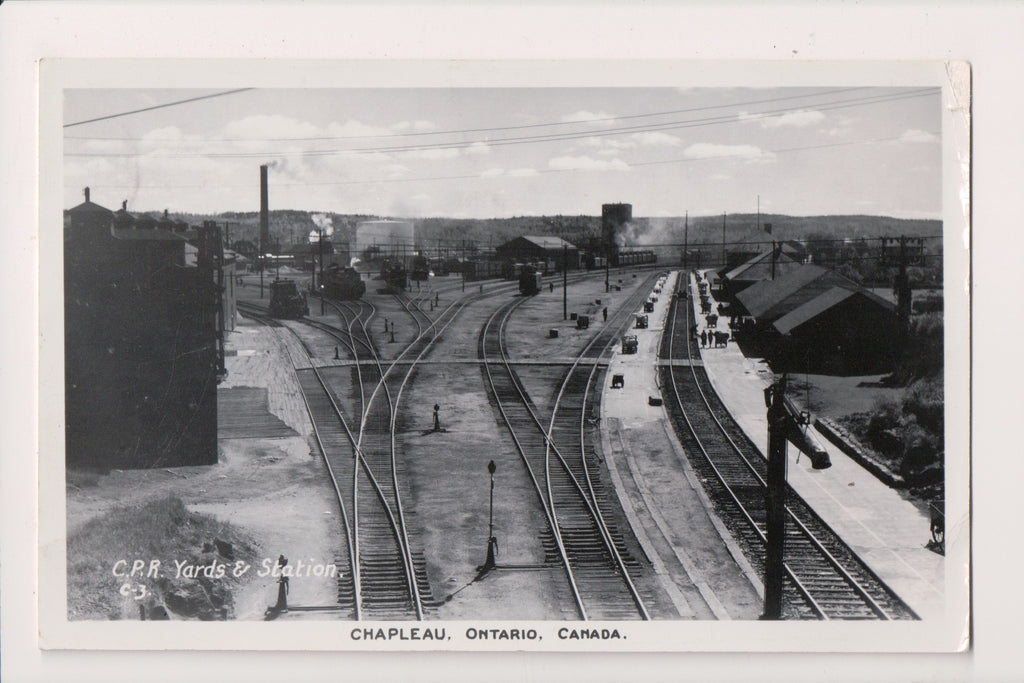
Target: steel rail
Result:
[[506, 311], [862, 593], [804, 532], [592, 503]]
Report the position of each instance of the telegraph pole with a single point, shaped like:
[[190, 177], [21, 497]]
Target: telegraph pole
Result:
[[785, 422], [321, 231], [565, 282], [723, 240], [775, 501], [686, 240]]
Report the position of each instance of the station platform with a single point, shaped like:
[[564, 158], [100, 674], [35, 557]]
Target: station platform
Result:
[[886, 530], [702, 569]]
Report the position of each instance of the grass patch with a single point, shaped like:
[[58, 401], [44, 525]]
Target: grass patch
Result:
[[908, 435], [164, 530]]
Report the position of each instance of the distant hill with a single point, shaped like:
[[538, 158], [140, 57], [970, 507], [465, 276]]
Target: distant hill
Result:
[[293, 226]]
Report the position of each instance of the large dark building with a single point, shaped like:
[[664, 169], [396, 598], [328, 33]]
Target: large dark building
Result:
[[814, 319], [142, 352], [530, 249]]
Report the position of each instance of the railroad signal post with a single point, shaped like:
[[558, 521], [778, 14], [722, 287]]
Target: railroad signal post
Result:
[[785, 422], [492, 542]]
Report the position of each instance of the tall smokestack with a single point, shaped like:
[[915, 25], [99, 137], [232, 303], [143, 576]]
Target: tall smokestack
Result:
[[264, 212]]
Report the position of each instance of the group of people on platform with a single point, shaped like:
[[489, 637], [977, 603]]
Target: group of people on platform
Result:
[[713, 339]]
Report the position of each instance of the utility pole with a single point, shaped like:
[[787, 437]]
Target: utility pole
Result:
[[607, 269], [321, 231], [686, 240], [565, 283], [785, 423], [723, 240], [775, 501]]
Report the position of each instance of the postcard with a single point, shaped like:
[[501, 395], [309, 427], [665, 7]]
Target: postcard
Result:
[[546, 356]]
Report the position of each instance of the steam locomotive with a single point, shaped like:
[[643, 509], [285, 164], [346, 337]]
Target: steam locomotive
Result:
[[286, 301], [342, 283], [394, 275], [419, 268]]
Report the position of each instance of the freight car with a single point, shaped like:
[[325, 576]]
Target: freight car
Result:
[[636, 258], [342, 283], [485, 270], [286, 301], [529, 281], [394, 275]]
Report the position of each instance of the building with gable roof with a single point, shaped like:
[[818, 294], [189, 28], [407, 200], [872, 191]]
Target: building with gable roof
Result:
[[814, 319]]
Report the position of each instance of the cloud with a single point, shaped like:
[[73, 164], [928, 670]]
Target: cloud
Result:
[[658, 139], [414, 125], [583, 116], [793, 119], [432, 154], [914, 135], [606, 146], [509, 173], [261, 127], [707, 150], [478, 148], [585, 163], [355, 129]]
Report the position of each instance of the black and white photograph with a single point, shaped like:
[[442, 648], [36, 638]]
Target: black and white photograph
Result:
[[497, 363]]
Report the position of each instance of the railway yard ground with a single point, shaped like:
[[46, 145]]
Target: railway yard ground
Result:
[[270, 479]]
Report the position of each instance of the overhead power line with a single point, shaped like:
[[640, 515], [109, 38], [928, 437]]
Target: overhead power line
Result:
[[531, 139], [461, 131], [157, 106]]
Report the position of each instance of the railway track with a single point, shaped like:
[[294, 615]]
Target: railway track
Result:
[[356, 433], [383, 581], [824, 579], [563, 468]]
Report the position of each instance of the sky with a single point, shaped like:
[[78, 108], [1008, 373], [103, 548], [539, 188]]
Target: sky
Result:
[[500, 152]]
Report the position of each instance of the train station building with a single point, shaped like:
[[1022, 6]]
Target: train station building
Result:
[[814, 319]]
